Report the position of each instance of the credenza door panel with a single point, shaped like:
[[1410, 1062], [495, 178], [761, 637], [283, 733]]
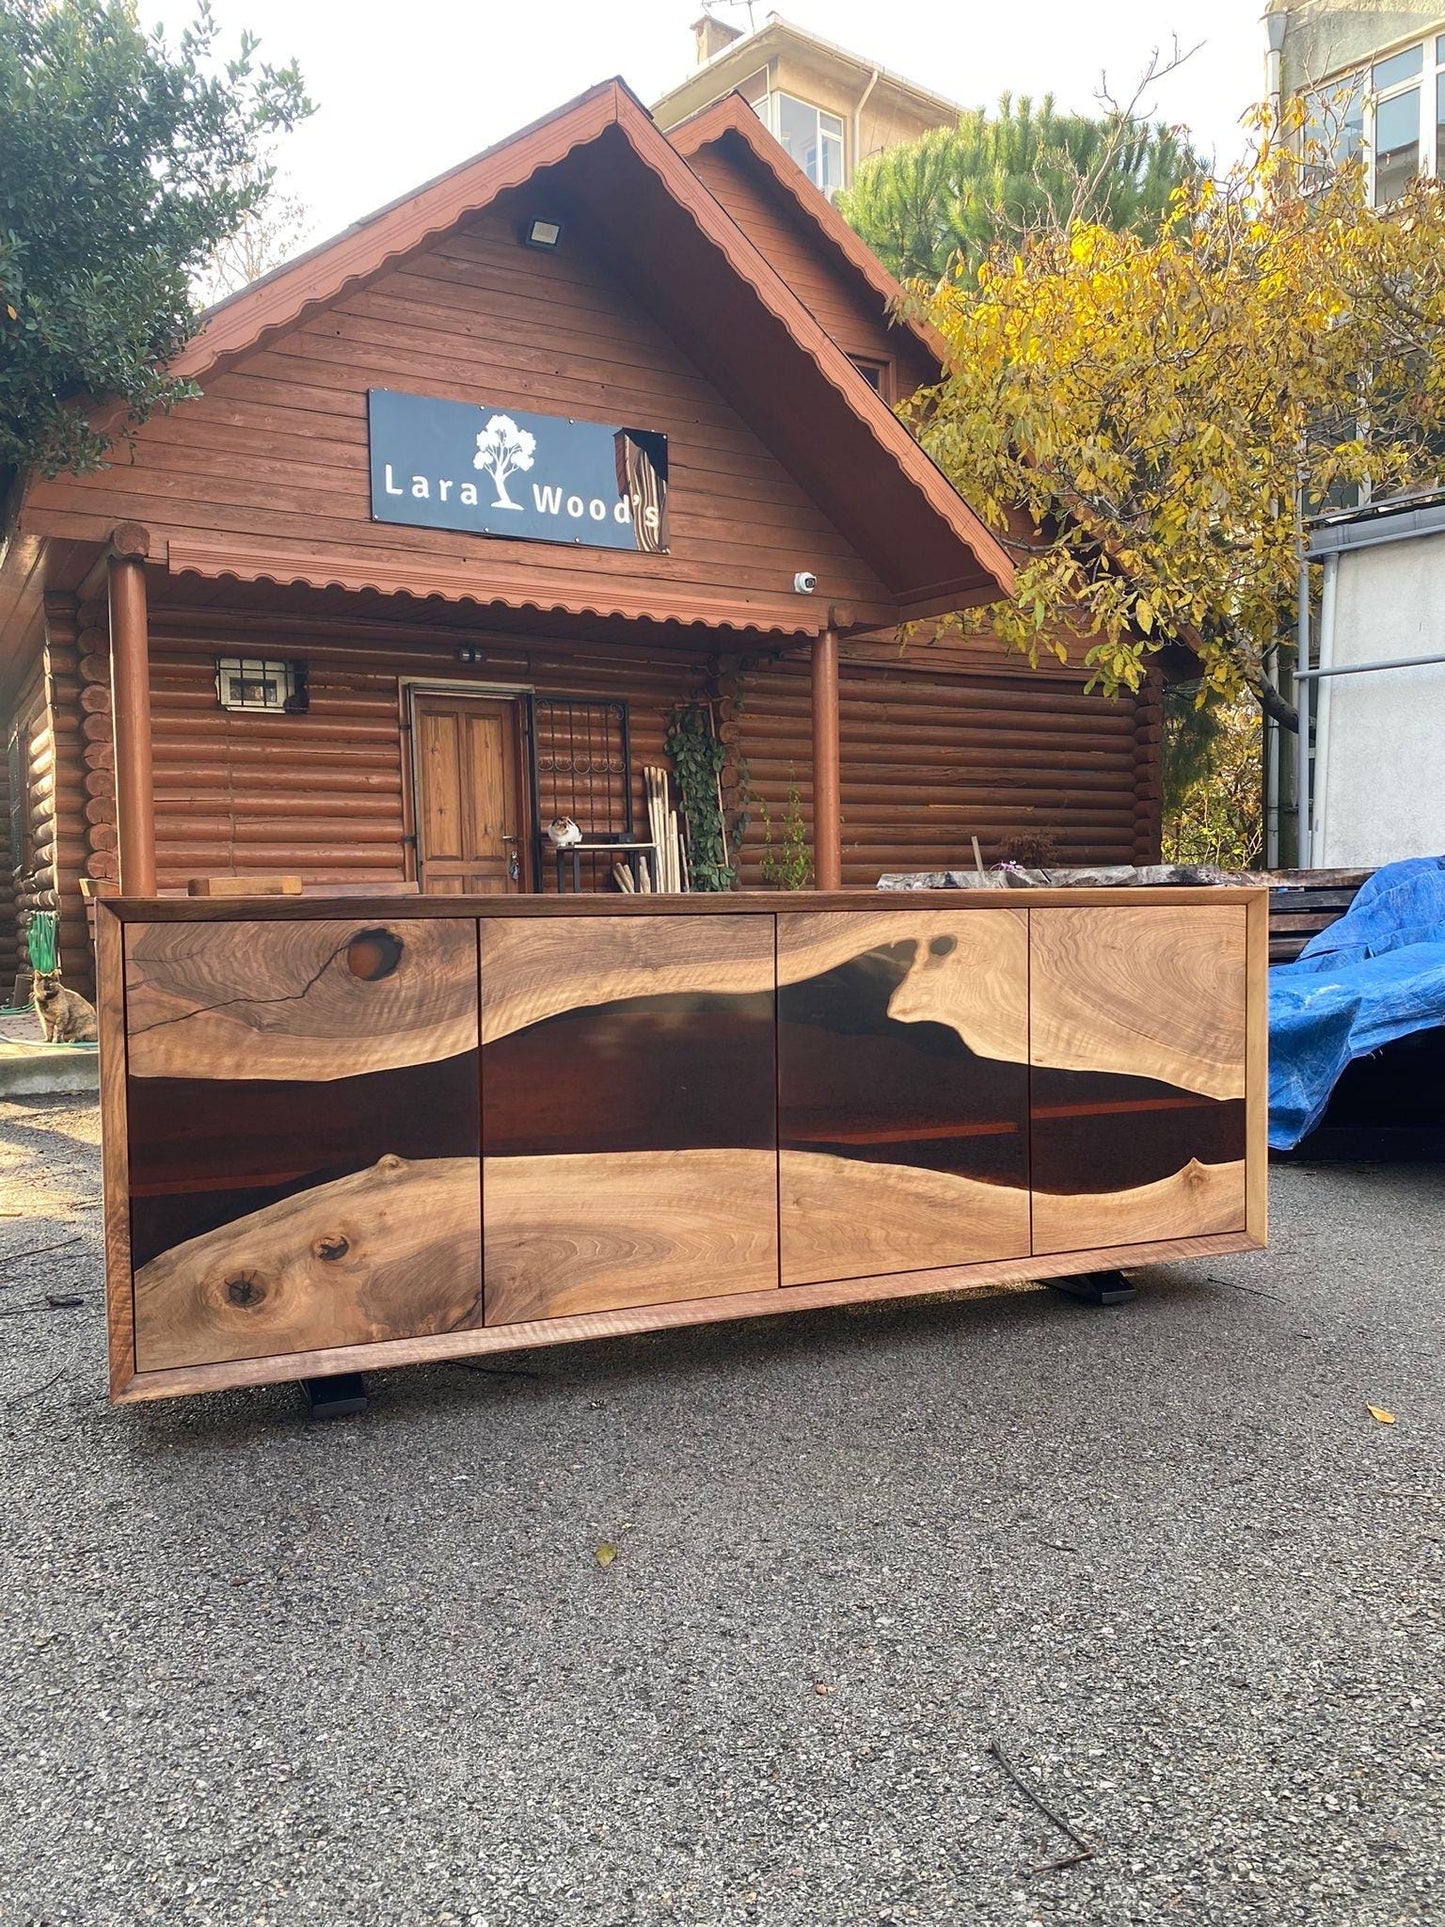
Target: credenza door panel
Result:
[[303, 1137], [629, 1112], [1137, 1074], [902, 1090]]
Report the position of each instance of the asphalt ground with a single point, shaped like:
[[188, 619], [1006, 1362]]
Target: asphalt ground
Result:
[[259, 1670]]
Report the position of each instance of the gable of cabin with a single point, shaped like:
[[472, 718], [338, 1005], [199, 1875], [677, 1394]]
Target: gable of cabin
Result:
[[277, 444], [853, 312]]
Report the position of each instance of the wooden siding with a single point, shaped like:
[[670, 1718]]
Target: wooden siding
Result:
[[852, 313], [275, 452], [9, 863], [933, 756], [323, 795]]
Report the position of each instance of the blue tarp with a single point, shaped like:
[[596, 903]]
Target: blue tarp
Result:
[[1377, 974]]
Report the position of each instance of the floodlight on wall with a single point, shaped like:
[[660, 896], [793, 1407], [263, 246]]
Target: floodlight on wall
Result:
[[542, 234]]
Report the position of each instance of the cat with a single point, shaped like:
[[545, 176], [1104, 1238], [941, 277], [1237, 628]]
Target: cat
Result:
[[562, 833], [65, 1016]]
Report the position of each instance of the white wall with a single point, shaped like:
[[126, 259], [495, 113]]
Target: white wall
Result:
[[1383, 735]]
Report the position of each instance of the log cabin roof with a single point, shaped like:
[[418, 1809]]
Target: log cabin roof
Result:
[[732, 130], [601, 163]]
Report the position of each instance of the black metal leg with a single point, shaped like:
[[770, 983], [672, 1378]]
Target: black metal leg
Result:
[[1094, 1287], [339, 1397]]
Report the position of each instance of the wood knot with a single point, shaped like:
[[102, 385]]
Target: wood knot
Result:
[[331, 1247], [245, 1289], [390, 1162], [373, 954]]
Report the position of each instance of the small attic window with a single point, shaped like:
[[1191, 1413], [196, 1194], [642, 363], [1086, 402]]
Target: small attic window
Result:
[[877, 374], [257, 682]]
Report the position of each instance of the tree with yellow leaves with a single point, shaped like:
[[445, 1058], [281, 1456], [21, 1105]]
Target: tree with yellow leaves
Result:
[[1154, 406]]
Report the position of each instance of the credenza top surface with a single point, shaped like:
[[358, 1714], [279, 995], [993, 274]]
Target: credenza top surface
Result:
[[268, 909]]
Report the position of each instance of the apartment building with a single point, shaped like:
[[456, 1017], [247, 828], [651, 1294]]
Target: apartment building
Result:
[[829, 108]]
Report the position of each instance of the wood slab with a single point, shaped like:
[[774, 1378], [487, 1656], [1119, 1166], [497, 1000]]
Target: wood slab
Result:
[[309, 1001], [1198, 1201], [969, 968], [849, 1218], [1151, 991], [599, 1232], [390, 1252], [533, 970]]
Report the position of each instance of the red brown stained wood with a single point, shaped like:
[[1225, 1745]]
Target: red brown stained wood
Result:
[[827, 828], [130, 676], [914, 520], [622, 915]]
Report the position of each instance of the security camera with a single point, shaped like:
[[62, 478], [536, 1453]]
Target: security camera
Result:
[[805, 582]]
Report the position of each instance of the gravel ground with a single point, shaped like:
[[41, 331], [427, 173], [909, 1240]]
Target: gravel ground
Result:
[[264, 1671]]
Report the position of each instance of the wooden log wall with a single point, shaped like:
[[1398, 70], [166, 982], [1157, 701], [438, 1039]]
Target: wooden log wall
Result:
[[933, 753], [102, 862], [939, 751], [9, 929], [59, 842], [321, 795], [50, 813]]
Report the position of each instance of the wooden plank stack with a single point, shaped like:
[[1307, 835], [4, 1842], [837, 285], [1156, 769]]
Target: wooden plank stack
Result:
[[1304, 902], [665, 830]]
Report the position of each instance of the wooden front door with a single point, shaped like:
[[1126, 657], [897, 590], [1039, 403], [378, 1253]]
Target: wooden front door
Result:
[[471, 814]]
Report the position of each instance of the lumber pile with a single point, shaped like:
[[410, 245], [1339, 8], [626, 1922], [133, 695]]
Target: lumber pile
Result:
[[665, 830], [1304, 902]]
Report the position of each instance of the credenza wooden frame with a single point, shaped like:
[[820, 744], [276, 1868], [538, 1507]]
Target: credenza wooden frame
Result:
[[129, 1383]]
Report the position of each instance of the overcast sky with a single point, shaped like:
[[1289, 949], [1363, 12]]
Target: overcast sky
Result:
[[405, 88]]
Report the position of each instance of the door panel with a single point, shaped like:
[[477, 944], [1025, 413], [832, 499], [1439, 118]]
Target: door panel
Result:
[[470, 795], [903, 1091], [304, 1135], [1137, 1082], [628, 1092]]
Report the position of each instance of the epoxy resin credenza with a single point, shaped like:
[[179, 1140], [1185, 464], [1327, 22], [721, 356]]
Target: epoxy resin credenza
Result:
[[341, 1135]]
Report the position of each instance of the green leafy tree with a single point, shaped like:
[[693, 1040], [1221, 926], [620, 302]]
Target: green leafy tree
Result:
[[1156, 405], [124, 164], [1212, 793], [958, 193]]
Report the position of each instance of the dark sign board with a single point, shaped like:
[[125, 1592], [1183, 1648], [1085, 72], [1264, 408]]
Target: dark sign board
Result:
[[498, 471]]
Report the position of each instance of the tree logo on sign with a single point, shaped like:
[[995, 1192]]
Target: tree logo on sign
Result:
[[502, 449]]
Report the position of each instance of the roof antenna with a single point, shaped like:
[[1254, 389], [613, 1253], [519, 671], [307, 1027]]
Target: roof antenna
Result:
[[709, 5]]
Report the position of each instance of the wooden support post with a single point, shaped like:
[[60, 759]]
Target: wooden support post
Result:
[[827, 806], [131, 706]]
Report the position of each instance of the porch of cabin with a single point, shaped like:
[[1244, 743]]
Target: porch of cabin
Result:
[[401, 742]]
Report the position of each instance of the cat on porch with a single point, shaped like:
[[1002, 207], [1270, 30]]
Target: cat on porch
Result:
[[65, 1016]]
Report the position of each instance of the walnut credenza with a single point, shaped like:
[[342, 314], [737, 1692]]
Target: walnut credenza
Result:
[[342, 1135]]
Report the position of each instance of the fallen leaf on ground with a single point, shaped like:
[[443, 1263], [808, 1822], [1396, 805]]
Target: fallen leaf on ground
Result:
[[1379, 1412], [605, 1554]]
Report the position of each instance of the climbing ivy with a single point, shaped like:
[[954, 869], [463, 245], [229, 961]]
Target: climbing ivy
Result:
[[697, 757], [787, 862]]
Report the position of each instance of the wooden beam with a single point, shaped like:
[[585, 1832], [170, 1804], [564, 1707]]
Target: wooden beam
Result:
[[827, 805], [130, 686]]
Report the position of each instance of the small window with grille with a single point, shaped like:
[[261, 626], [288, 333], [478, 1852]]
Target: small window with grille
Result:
[[258, 682]]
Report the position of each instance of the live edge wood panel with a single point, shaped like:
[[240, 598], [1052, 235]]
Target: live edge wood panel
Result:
[[339, 1137]]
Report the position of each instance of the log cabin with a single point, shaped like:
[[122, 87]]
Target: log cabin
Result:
[[472, 498]]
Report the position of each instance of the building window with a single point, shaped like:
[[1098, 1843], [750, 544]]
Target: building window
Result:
[[813, 138], [1394, 112], [256, 682], [877, 374]]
